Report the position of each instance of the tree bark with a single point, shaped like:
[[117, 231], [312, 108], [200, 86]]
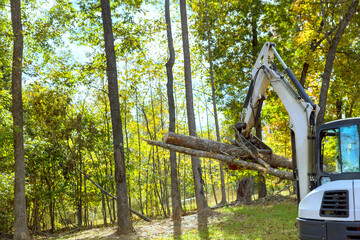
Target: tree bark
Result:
[[262, 185], [205, 145], [124, 222], [175, 190], [225, 149], [245, 190], [261, 166], [20, 223], [201, 203], [330, 57]]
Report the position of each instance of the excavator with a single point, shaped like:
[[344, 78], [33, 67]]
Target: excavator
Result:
[[326, 159]]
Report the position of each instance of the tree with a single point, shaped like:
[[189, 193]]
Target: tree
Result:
[[330, 56], [213, 98], [124, 222], [175, 191], [201, 203], [20, 225]]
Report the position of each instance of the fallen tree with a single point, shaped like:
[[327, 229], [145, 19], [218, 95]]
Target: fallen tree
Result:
[[237, 149], [236, 154]]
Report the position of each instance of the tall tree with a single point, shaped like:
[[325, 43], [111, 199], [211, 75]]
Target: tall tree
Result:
[[330, 56], [213, 98], [175, 190], [124, 222], [20, 225], [201, 202]]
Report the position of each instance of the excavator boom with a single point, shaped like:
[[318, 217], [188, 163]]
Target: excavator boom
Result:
[[301, 109]]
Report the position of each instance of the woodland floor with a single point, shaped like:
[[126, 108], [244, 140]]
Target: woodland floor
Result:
[[267, 220]]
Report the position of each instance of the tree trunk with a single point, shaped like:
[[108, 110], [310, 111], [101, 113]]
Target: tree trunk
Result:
[[52, 215], [222, 177], [244, 190], [79, 192], [201, 203], [139, 150], [303, 74], [109, 205], [20, 223], [225, 149], [123, 215], [262, 185], [260, 166], [175, 190], [258, 127], [204, 144], [330, 57], [103, 205]]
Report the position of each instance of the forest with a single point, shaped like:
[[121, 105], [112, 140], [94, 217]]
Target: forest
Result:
[[85, 83]]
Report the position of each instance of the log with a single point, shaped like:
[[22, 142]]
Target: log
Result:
[[206, 145], [239, 151], [226, 159]]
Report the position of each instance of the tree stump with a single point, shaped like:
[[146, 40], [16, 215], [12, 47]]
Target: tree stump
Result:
[[244, 189]]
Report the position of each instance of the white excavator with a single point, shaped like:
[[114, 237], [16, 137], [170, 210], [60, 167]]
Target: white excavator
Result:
[[326, 159]]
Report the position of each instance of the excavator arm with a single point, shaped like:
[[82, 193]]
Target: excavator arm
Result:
[[301, 109]]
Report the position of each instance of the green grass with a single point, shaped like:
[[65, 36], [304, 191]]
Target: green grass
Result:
[[275, 221]]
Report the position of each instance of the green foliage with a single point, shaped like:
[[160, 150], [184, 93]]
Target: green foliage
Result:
[[6, 202]]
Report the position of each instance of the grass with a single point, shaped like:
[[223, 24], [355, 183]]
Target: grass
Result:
[[274, 221]]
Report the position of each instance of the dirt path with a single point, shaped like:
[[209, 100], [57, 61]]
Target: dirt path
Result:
[[144, 230]]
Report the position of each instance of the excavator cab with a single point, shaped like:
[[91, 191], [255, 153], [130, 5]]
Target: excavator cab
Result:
[[332, 210], [338, 150]]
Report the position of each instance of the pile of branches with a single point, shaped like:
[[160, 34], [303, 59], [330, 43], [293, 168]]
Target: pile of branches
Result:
[[237, 154]]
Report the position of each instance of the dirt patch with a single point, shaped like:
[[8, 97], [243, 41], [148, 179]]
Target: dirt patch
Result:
[[144, 230]]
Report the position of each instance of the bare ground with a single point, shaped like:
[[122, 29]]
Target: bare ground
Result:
[[157, 229]]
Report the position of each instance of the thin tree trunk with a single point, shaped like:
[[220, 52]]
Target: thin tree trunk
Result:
[[103, 205], [330, 57], [201, 203], [156, 162], [175, 190], [303, 74], [79, 194], [127, 135], [52, 215], [165, 193], [222, 177], [112, 219], [258, 127], [139, 151], [86, 207], [20, 223], [212, 184], [124, 222]]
